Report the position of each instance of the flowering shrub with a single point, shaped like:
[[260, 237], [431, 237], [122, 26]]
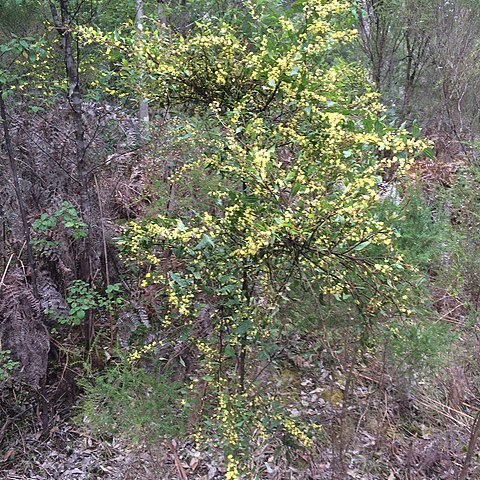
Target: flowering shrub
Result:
[[299, 142]]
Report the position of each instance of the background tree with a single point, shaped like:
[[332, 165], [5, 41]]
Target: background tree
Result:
[[417, 51]]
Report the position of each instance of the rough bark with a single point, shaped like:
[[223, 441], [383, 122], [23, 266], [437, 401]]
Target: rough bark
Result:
[[143, 110], [62, 25], [18, 193]]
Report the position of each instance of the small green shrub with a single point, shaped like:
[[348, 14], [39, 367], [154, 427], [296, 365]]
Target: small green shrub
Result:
[[419, 345], [131, 402], [461, 201], [427, 240], [67, 215], [424, 233], [7, 365], [82, 297]]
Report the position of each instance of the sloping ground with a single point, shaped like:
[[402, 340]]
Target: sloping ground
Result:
[[384, 431], [378, 423]]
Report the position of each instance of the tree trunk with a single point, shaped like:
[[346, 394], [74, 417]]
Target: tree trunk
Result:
[[62, 25], [162, 17], [18, 193], [143, 110]]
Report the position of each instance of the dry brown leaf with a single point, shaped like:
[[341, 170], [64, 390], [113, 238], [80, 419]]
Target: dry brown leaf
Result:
[[10, 453], [194, 462]]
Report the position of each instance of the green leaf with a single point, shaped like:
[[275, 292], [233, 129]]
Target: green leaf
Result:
[[415, 129], [361, 246], [205, 241], [428, 152], [180, 225], [291, 175], [243, 327], [295, 189], [178, 279], [23, 43], [294, 71], [229, 351]]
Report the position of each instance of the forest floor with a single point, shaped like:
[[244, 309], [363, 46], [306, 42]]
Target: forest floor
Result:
[[382, 433]]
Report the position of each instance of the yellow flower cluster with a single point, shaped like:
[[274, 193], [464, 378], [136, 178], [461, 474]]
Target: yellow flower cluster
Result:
[[138, 353], [296, 432], [233, 472]]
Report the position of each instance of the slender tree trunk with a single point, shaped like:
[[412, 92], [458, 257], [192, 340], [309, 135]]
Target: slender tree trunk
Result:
[[143, 110], [475, 433], [62, 24], [18, 192], [162, 18], [242, 350]]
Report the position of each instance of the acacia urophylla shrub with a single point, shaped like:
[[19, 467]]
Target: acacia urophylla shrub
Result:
[[298, 142]]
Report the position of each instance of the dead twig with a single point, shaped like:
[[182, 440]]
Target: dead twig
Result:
[[178, 463], [474, 434]]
